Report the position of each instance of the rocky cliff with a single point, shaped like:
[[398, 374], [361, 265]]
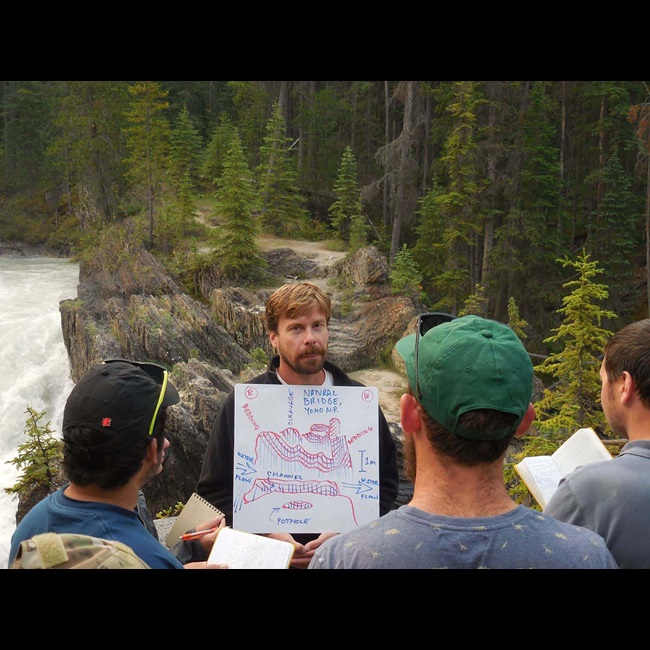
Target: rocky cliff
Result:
[[132, 308]]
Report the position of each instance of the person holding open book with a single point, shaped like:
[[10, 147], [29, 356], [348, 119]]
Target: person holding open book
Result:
[[297, 318], [612, 497], [114, 444], [470, 385]]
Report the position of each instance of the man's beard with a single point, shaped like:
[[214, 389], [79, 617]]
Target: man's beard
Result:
[[302, 366], [156, 469], [408, 450]]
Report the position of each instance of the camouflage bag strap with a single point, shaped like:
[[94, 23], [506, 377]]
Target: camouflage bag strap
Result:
[[75, 551], [50, 549]]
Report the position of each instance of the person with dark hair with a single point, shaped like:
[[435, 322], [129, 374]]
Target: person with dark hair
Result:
[[612, 497], [114, 444], [297, 318], [470, 385]]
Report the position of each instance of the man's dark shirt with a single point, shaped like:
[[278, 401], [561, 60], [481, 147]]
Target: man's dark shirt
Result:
[[215, 483]]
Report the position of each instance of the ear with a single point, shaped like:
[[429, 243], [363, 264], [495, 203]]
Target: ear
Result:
[[272, 339], [409, 414], [527, 420], [627, 389], [152, 451]]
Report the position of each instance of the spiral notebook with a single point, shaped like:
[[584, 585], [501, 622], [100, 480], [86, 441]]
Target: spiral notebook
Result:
[[196, 511]]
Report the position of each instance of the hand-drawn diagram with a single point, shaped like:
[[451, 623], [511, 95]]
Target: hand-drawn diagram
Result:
[[306, 458]]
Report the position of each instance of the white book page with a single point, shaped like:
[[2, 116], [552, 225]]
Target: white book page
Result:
[[582, 448], [242, 550], [546, 475]]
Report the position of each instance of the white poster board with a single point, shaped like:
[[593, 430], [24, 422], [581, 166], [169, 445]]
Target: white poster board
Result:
[[306, 458]]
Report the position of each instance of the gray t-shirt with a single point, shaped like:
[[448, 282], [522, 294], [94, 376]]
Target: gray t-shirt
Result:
[[410, 538], [611, 498]]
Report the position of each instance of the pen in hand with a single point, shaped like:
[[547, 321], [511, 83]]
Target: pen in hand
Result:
[[199, 533]]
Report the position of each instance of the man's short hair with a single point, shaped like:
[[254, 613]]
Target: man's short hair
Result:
[[296, 299], [629, 349]]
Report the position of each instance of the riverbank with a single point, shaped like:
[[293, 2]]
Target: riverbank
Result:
[[19, 249]]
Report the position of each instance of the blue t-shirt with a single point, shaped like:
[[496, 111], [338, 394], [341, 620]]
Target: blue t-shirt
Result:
[[58, 513], [410, 538]]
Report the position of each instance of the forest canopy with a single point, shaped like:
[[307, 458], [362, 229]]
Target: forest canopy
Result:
[[477, 187]]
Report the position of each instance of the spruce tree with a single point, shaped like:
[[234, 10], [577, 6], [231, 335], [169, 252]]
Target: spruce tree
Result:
[[148, 137], [453, 214], [39, 458], [185, 147], [405, 278], [573, 400], [535, 220], [89, 147], [184, 162], [516, 323], [347, 211], [476, 303], [217, 149], [283, 213], [618, 212], [236, 253]]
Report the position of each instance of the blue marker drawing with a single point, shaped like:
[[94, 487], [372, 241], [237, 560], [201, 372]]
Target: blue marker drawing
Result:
[[306, 458]]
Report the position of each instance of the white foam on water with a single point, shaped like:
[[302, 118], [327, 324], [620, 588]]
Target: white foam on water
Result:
[[34, 365]]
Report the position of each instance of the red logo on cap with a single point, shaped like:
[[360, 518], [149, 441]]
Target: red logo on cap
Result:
[[106, 422]]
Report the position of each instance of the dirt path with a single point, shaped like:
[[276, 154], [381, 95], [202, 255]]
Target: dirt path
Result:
[[313, 250]]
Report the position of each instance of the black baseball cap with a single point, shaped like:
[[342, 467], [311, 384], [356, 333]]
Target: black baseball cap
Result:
[[120, 398]]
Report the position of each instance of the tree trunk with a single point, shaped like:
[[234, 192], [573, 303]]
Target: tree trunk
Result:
[[647, 232], [407, 182], [386, 141]]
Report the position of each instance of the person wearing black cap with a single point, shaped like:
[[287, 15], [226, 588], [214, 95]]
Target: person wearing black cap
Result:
[[113, 430], [470, 385]]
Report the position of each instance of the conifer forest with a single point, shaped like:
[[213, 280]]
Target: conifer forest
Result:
[[489, 196]]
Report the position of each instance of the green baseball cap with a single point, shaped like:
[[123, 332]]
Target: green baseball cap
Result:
[[467, 364]]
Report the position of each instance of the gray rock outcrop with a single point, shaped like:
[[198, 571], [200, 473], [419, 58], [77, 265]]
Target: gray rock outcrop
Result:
[[132, 308]]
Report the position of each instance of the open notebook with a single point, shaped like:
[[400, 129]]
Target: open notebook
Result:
[[242, 550]]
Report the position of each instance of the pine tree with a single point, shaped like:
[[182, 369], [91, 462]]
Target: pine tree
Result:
[[618, 212], [358, 233], [184, 161], [347, 211], [283, 213], [217, 149], [236, 252], [405, 278], [476, 303], [39, 457], [516, 323], [185, 147], [573, 401], [148, 136], [535, 220], [454, 212], [89, 147]]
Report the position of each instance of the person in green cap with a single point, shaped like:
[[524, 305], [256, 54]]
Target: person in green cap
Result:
[[470, 386]]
